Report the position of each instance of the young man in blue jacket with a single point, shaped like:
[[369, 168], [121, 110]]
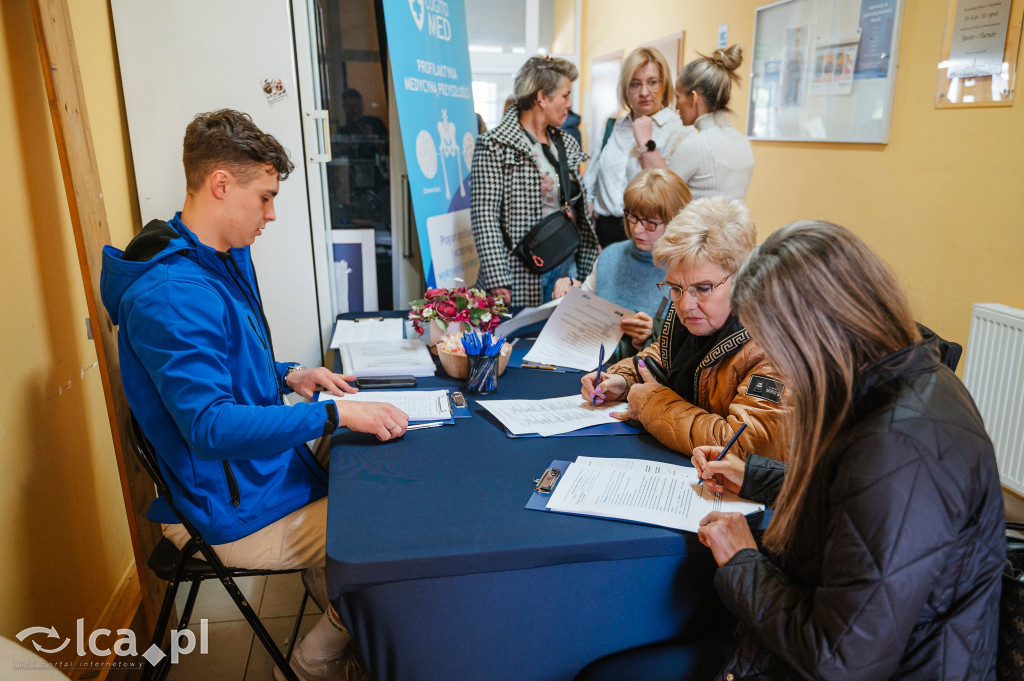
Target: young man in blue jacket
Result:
[[199, 371]]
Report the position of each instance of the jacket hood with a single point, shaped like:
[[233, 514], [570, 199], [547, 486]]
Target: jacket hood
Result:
[[157, 241]]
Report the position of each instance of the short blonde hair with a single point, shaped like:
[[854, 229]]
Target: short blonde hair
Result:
[[541, 74], [712, 230], [654, 193], [638, 58]]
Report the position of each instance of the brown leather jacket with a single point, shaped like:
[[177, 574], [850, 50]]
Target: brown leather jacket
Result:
[[735, 384]]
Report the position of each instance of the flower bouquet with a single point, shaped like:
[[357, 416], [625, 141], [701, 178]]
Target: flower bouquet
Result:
[[456, 307]]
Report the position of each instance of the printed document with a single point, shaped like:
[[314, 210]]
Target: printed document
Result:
[[641, 491], [527, 316], [577, 329], [368, 329], [551, 416], [371, 359], [420, 405]]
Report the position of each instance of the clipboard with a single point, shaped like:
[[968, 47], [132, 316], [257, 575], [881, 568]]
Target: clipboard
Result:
[[457, 407], [545, 485]]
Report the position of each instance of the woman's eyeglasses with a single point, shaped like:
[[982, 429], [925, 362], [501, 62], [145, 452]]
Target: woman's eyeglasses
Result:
[[700, 292], [653, 84], [649, 225]]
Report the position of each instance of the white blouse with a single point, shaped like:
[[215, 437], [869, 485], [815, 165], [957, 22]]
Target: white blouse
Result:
[[717, 161], [612, 168]]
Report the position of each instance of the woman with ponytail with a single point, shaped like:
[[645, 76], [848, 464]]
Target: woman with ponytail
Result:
[[883, 559], [718, 160]]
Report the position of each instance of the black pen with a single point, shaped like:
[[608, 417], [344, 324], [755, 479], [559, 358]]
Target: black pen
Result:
[[736, 436]]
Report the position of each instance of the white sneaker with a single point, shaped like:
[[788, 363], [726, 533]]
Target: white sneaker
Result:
[[315, 581], [346, 667]]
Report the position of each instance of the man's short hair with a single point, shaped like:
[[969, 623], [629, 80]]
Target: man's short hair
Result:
[[229, 139]]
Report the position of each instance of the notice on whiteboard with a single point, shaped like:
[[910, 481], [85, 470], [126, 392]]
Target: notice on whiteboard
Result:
[[979, 37]]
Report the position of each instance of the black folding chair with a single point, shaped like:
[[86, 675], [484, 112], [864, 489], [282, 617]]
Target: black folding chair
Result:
[[175, 565]]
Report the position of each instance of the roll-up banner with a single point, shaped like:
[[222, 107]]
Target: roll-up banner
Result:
[[429, 53]]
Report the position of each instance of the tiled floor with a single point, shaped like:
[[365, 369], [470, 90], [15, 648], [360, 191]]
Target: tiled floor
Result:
[[233, 651]]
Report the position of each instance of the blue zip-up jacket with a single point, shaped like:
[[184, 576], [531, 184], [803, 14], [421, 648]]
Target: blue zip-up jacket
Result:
[[198, 368]]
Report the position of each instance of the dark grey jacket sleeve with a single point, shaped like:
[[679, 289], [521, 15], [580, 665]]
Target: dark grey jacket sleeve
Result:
[[762, 479]]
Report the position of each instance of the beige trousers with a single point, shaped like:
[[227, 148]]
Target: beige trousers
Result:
[[297, 540]]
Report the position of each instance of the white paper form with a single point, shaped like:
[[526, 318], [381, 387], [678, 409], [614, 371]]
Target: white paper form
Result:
[[577, 329], [420, 405], [387, 358], [527, 316], [648, 492], [364, 330], [550, 416]]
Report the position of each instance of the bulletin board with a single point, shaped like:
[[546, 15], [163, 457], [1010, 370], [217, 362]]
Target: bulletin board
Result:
[[824, 70], [964, 78]]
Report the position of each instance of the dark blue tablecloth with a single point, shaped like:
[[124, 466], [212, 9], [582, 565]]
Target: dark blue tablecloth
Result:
[[441, 573]]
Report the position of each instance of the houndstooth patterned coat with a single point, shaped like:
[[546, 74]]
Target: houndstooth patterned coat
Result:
[[506, 194]]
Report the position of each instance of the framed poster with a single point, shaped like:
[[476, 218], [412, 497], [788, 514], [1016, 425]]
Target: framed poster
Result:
[[354, 259], [824, 70], [978, 61]]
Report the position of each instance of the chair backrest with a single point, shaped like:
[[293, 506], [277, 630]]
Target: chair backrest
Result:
[[144, 451]]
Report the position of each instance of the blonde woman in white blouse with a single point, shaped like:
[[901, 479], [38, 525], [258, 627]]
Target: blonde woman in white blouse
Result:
[[718, 160], [637, 141]]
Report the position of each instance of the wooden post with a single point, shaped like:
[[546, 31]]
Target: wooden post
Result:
[[88, 216]]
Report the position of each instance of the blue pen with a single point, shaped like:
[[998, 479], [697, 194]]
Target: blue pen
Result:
[[600, 363], [700, 481]]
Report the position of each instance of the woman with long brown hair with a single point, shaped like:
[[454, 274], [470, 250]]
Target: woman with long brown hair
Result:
[[883, 558]]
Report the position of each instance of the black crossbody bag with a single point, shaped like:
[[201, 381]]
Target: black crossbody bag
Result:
[[554, 238]]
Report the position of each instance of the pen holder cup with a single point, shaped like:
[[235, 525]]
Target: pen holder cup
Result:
[[483, 375], [457, 366]]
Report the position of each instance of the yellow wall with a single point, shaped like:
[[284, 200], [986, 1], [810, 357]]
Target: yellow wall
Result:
[[941, 202], [62, 522]]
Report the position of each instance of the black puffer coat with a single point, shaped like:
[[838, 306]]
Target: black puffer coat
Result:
[[895, 568]]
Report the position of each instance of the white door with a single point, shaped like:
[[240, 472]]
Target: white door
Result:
[[189, 56]]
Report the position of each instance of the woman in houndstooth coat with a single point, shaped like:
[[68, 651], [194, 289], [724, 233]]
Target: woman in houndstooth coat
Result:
[[515, 184]]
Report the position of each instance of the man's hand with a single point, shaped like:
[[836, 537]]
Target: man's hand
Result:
[[639, 328], [386, 421], [725, 534], [726, 474], [502, 294], [305, 381]]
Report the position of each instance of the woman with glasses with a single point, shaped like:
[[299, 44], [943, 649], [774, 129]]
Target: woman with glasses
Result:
[[635, 141], [883, 559], [718, 160], [625, 273], [515, 183], [715, 377]]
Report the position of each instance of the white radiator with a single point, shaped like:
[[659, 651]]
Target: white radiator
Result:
[[994, 375]]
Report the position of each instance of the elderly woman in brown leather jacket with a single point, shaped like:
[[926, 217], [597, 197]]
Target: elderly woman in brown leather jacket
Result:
[[715, 377]]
